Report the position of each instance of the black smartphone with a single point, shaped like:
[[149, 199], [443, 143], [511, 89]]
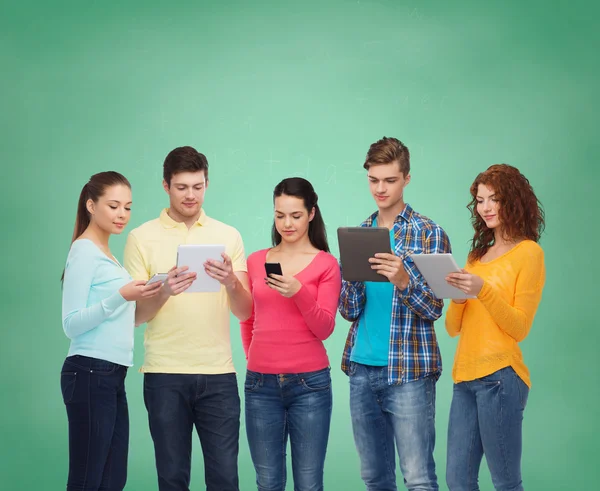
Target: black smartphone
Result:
[[273, 268]]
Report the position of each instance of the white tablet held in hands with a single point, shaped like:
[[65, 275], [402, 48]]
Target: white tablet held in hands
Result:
[[194, 256], [435, 268]]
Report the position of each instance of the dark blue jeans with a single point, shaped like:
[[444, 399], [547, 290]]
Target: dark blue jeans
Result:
[[94, 394], [298, 405], [178, 402], [486, 417], [386, 417]]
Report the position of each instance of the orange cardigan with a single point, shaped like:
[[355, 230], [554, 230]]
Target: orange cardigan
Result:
[[491, 325]]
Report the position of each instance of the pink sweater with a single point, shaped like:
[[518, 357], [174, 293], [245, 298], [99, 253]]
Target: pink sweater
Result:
[[285, 335]]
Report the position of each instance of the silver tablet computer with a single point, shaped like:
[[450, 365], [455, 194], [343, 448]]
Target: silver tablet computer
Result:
[[435, 268], [357, 245], [194, 256]]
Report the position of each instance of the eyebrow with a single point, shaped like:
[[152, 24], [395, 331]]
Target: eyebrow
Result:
[[481, 197], [291, 213], [383, 178], [202, 183]]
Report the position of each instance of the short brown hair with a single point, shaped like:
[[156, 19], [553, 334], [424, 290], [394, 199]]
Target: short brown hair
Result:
[[386, 151], [184, 159]]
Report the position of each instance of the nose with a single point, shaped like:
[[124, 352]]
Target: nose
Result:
[[287, 221], [380, 187]]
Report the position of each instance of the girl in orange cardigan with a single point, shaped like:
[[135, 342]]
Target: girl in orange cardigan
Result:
[[505, 271]]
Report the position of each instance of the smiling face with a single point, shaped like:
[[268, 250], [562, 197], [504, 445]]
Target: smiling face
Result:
[[387, 183], [186, 195], [112, 211], [488, 206], [292, 219]]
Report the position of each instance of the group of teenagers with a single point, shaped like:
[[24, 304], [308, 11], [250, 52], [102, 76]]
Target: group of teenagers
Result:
[[391, 353]]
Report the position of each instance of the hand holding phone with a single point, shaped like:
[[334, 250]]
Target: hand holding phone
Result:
[[286, 286], [139, 290]]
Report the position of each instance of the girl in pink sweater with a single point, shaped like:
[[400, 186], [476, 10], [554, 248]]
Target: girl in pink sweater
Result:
[[288, 383]]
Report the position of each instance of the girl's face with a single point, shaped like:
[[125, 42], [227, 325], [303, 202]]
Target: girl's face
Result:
[[488, 206], [291, 218], [112, 211]]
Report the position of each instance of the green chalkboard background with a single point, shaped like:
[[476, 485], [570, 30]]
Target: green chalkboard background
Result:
[[272, 89]]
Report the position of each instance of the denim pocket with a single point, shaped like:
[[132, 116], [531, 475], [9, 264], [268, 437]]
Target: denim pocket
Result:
[[92, 365], [67, 385], [252, 381], [523, 391], [113, 381], [104, 368], [492, 379], [315, 381]]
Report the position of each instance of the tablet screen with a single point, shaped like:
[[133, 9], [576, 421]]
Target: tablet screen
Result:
[[194, 256], [357, 245]]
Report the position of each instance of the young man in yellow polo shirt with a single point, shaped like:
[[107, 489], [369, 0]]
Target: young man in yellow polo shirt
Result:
[[189, 378]]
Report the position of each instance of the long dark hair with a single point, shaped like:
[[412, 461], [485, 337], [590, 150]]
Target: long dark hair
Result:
[[94, 189], [301, 188], [520, 212]]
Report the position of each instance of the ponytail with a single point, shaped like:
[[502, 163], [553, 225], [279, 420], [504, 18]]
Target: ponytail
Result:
[[82, 219]]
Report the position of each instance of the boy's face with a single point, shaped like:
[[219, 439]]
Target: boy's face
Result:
[[186, 193], [387, 184]]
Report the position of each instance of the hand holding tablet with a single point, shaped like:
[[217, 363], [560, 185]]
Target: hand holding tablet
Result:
[[196, 257], [470, 284], [435, 268], [357, 246]]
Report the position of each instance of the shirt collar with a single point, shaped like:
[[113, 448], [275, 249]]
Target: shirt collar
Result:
[[405, 214], [167, 222]]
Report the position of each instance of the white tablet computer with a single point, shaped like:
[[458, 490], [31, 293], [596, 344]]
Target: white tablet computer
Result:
[[435, 268], [357, 245], [194, 256]]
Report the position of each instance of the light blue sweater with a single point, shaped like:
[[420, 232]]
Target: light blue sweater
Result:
[[97, 319]]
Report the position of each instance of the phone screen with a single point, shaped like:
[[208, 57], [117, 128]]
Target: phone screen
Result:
[[273, 268]]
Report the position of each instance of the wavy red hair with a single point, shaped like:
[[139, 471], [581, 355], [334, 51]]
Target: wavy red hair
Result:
[[520, 211]]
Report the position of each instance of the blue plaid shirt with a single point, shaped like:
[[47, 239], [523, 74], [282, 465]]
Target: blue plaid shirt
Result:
[[414, 352]]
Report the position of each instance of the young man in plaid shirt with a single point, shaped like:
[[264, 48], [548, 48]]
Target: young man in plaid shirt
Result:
[[392, 355]]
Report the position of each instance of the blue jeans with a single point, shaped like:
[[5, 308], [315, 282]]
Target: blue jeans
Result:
[[384, 415], [178, 402], [486, 417], [298, 405], [94, 394]]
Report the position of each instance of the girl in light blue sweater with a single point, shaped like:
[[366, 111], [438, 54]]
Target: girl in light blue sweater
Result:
[[98, 316]]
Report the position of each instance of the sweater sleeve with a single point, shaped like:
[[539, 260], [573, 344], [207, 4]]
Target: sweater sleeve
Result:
[[516, 320], [247, 326], [454, 316], [77, 316], [319, 313]]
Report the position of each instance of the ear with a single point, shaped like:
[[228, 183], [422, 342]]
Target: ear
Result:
[[90, 206], [165, 186], [206, 183], [311, 214], [406, 180]]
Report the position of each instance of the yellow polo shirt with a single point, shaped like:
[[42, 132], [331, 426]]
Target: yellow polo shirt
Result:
[[190, 333]]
